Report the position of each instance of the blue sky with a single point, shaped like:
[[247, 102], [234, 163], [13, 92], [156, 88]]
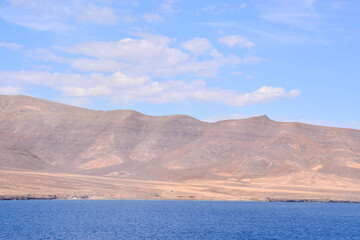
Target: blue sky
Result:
[[292, 60]]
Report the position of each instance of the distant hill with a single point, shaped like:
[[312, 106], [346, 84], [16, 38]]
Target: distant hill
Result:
[[52, 148]]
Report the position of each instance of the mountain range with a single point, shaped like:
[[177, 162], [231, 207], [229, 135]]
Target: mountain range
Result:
[[53, 150]]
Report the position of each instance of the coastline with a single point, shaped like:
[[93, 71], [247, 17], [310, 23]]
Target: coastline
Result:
[[86, 197], [19, 185]]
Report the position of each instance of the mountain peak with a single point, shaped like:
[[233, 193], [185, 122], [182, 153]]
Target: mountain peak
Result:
[[262, 118]]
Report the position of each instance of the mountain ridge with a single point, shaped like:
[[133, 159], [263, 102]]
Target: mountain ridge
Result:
[[264, 117]]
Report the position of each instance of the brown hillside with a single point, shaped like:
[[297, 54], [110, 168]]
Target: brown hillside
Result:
[[52, 148]]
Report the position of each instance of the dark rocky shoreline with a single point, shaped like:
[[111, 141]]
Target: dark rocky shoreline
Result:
[[41, 197], [310, 200], [84, 197]]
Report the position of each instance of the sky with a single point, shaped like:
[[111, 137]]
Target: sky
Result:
[[292, 60]]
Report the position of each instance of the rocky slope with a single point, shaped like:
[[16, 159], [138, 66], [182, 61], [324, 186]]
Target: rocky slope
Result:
[[52, 144]]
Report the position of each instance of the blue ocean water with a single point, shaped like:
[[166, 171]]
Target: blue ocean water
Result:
[[146, 219]]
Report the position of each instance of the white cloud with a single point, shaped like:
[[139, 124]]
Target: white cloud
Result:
[[236, 40], [28, 78], [96, 91], [265, 94], [58, 16], [238, 73], [338, 5], [242, 74], [221, 24], [80, 64], [100, 15], [45, 55], [12, 46], [133, 63], [294, 93], [153, 17], [297, 13], [127, 49], [167, 6], [243, 5], [9, 90], [121, 87], [222, 8], [99, 65], [262, 95], [197, 46], [154, 55], [217, 8], [281, 36], [37, 14], [252, 59]]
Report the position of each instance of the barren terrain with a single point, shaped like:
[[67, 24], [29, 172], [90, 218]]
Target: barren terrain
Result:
[[51, 150]]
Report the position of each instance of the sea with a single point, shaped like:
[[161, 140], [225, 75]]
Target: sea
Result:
[[160, 219]]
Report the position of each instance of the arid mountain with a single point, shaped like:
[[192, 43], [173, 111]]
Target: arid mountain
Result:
[[48, 148]]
